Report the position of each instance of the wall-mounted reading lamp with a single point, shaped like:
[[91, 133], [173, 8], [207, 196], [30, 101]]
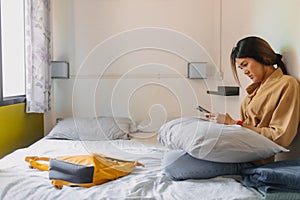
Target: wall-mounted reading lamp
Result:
[[60, 69], [197, 70]]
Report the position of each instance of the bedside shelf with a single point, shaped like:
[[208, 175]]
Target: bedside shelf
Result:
[[226, 91]]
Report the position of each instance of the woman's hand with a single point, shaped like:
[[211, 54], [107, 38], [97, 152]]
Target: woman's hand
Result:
[[222, 118]]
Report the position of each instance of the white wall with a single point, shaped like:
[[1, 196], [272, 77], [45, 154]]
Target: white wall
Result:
[[275, 20], [103, 40], [133, 54]]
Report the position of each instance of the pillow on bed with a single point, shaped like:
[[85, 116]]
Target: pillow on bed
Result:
[[97, 128], [149, 126], [216, 142]]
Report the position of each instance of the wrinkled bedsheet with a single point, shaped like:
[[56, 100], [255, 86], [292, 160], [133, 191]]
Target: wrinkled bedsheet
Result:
[[19, 182]]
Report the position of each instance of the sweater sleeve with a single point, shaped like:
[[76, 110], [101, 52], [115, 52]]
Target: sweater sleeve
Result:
[[285, 118]]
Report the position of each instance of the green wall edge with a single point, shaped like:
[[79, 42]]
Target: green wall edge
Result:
[[18, 129]]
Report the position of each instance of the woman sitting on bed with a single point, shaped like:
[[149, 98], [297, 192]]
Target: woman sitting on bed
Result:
[[271, 108]]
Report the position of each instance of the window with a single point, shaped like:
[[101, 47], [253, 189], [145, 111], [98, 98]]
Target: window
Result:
[[12, 64]]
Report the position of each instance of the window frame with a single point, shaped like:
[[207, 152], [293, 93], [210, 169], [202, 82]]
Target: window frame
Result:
[[11, 99]]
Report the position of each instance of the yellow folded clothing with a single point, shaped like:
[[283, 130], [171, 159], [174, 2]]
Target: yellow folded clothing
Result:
[[82, 170]]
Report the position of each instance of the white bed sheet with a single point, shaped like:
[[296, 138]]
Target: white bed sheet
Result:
[[19, 182]]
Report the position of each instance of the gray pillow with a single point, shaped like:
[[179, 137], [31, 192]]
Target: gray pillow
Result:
[[97, 128], [216, 142]]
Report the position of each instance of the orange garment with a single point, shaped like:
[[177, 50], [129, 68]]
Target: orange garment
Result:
[[273, 107], [82, 170]]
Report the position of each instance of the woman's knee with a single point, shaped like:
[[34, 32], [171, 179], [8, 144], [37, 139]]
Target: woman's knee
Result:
[[188, 167]]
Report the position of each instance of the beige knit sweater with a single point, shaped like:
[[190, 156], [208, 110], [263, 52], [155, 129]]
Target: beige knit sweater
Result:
[[273, 107]]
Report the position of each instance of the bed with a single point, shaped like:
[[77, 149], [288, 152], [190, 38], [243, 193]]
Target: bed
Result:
[[120, 138], [18, 181]]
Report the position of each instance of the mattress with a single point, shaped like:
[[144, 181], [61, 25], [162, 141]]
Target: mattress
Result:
[[19, 182]]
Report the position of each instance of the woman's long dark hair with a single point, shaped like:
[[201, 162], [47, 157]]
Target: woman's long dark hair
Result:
[[258, 49]]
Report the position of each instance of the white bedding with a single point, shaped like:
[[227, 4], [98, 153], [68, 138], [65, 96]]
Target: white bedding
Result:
[[19, 182], [217, 142]]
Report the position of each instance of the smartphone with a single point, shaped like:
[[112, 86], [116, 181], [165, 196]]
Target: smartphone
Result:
[[203, 113], [201, 109]]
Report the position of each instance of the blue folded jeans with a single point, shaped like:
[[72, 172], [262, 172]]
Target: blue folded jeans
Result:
[[181, 166], [280, 176]]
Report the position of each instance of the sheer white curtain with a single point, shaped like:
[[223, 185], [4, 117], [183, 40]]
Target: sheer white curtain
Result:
[[37, 55]]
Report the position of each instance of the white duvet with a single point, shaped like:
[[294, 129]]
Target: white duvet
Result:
[[19, 182]]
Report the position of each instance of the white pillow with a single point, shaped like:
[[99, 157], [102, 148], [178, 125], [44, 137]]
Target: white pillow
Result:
[[149, 126], [97, 128], [216, 142]]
